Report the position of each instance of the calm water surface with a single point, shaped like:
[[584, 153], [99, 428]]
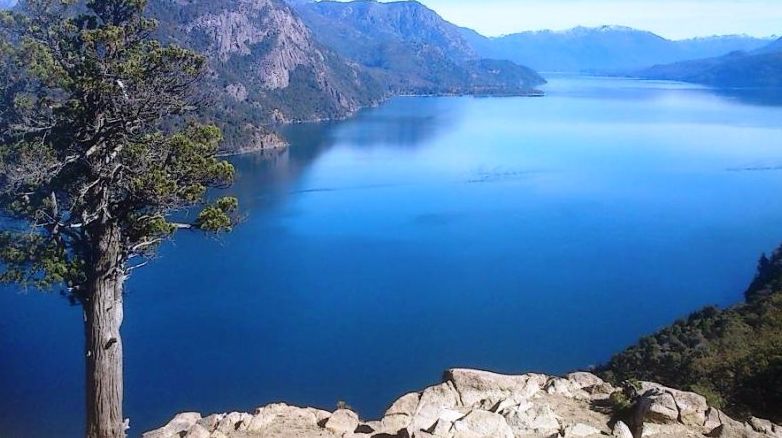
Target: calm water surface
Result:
[[507, 234]]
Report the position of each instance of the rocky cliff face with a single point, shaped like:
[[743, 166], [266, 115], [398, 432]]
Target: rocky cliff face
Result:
[[265, 66], [409, 21], [479, 404]]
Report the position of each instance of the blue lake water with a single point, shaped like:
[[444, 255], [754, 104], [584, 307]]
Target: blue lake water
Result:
[[512, 234]]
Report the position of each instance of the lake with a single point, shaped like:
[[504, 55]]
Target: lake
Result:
[[511, 234]]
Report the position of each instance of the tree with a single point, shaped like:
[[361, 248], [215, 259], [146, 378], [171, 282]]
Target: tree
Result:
[[96, 157]]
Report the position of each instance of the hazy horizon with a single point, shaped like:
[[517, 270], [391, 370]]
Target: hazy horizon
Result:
[[673, 19]]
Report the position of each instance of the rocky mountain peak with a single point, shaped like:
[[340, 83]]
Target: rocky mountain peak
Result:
[[246, 26], [410, 21]]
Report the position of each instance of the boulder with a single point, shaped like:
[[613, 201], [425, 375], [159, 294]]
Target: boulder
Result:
[[580, 430], [692, 408], [479, 404], [433, 401], [210, 423], [735, 430], [198, 431], [282, 415], [535, 419], [670, 405], [178, 425], [481, 424], [405, 405], [476, 386], [565, 388], [659, 407], [621, 430], [442, 428], [714, 419], [342, 421], [765, 426], [235, 421]]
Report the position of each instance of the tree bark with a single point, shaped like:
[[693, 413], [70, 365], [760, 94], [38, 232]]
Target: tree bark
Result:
[[103, 344]]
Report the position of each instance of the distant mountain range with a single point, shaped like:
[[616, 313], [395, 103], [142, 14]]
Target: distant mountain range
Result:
[[272, 64], [605, 49], [272, 61], [412, 49], [761, 68]]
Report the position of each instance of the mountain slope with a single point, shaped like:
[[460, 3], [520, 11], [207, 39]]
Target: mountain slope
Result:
[[733, 356], [265, 66], [758, 69], [603, 49], [776, 46], [411, 48]]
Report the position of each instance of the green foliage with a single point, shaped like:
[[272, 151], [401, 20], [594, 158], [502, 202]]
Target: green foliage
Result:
[[87, 104], [217, 217], [32, 259], [733, 357]]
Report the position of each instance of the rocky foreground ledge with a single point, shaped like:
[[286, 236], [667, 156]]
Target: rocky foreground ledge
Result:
[[479, 404]]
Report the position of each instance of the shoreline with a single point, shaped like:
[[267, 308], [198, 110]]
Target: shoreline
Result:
[[279, 143]]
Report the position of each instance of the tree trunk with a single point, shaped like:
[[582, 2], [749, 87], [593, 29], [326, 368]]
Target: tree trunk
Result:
[[103, 345]]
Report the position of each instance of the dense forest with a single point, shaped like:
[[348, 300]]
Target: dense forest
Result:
[[732, 356]]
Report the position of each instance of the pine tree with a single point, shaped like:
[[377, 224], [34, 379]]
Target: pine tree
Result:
[[96, 156]]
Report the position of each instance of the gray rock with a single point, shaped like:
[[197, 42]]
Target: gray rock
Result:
[[676, 406], [621, 430], [734, 430], [661, 408], [179, 424], [405, 405], [198, 431], [342, 421], [476, 386], [481, 424], [580, 430], [479, 404], [765, 426], [235, 421], [211, 422], [566, 388], [535, 419], [434, 400]]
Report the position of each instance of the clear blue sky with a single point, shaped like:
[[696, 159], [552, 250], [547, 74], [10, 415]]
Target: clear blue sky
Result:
[[669, 18]]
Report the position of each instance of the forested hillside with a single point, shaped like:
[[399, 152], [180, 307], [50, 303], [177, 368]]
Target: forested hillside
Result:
[[757, 69], [411, 49], [733, 356]]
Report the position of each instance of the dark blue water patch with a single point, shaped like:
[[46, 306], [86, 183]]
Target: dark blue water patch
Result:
[[508, 234]]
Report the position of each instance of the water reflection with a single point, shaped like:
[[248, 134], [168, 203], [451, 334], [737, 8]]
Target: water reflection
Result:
[[608, 88], [266, 178], [752, 96]]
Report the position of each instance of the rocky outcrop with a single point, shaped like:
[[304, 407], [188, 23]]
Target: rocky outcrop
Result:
[[265, 67], [480, 404]]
